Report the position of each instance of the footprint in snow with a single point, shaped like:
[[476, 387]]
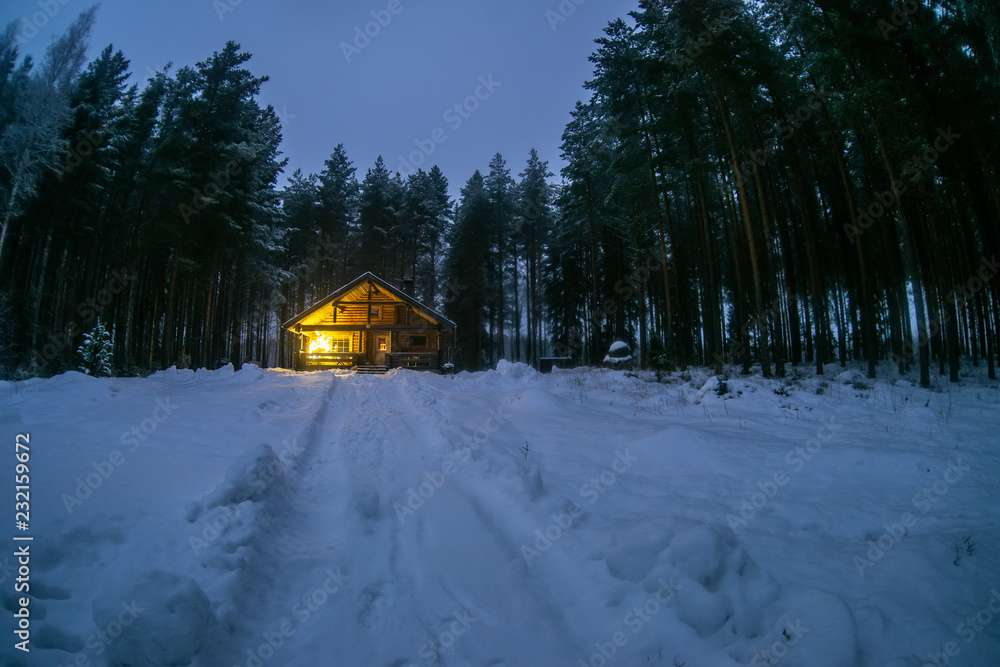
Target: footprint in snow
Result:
[[377, 602], [366, 501]]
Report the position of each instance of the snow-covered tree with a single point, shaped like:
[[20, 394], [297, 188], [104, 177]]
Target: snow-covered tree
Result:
[[96, 351], [31, 139]]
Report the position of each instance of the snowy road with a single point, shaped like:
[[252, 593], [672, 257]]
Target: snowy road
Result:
[[504, 518], [397, 553]]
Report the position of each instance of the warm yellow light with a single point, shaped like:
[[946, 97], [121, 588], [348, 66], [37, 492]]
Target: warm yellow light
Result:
[[321, 344]]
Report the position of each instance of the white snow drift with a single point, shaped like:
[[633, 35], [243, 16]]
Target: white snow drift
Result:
[[584, 518]]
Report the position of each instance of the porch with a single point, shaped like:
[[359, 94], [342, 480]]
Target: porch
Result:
[[317, 361]]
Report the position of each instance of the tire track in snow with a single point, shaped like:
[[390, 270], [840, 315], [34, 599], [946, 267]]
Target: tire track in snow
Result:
[[361, 475], [367, 446], [506, 520], [257, 556], [346, 466]]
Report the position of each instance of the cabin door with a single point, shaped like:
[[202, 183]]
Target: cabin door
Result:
[[381, 347]]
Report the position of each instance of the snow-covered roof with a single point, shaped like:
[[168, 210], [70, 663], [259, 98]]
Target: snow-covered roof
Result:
[[384, 285]]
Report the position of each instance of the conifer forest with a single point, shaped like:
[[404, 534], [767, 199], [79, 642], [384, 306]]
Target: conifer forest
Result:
[[763, 183]]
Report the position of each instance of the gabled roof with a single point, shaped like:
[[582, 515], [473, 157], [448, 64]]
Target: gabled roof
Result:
[[395, 292]]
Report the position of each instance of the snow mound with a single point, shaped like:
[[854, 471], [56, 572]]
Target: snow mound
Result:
[[173, 373], [715, 388], [220, 374], [818, 630], [720, 591], [702, 610], [238, 520], [509, 371], [163, 620], [634, 562], [618, 345], [257, 476], [701, 553], [70, 378], [850, 377], [249, 373]]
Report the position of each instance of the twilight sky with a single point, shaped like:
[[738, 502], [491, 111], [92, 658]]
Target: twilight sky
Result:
[[392, 94]]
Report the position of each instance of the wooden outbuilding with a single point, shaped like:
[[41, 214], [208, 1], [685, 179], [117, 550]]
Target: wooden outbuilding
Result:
[[370, 322]]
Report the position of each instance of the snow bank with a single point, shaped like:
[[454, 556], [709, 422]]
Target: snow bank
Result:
[[508, 374], [162, 620], [173, 373], [258, 476]]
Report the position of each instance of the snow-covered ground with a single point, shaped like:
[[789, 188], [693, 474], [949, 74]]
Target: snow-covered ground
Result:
[[582, 518]]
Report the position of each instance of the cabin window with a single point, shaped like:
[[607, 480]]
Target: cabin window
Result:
[[418, 341], [330, 344], [374, 311]]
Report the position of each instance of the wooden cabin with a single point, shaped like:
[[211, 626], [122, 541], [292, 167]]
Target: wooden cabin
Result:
[[369, 322]]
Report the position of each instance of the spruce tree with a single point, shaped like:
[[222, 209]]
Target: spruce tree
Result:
[[96, 351]]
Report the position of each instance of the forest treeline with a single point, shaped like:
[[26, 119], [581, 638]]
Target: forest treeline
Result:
[[786, 181], [773, 183]]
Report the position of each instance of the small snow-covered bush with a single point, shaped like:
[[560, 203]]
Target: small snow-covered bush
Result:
[[96, 351], [619, 356]]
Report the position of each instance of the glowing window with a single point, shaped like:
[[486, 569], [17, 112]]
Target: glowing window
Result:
[[328, 344]]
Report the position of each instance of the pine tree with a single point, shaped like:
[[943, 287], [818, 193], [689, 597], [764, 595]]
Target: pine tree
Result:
[[376, 221], [535, 219], [501, 189], [465, 271], [339, 192], [302, 210], [441, 211]]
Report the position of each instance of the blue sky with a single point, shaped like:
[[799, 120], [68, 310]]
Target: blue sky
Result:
[[391, 92]]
